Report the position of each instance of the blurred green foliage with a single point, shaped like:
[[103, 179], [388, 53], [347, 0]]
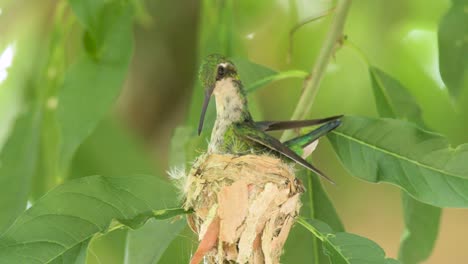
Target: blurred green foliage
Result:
[[64, 117]]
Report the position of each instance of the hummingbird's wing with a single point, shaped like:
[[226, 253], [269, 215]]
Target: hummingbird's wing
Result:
[[250, 132], [290, 124]]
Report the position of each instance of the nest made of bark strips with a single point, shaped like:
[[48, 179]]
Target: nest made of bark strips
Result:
[[244, 207]]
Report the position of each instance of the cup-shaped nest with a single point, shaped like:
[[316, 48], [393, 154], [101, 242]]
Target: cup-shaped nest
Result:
[[244, 207]]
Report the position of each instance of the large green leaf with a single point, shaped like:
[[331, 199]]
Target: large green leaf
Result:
[[453, 47], [421, 220], [398, 152], [343, 247], [17, 164], [77, 210], [93, 83]]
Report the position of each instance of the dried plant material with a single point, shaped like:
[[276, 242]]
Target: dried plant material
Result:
[[244, 207], [232, 197], [207, 242]]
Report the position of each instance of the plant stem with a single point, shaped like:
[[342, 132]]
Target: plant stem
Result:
[[312, 82]]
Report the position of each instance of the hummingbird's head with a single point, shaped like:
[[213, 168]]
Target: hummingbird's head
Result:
[[214, 69]]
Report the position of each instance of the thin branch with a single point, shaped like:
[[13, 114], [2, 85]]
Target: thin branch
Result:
[[312, 82], [300, 25]]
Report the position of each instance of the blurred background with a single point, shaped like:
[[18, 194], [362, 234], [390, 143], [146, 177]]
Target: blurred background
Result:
[[398, 36]]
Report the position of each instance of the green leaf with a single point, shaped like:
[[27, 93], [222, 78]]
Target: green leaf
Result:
[[315, 204], [181, 248], [17, 164], [46, 175], [453, 47], [299, 247], [323, 208], [147, 244], [93, 83], [78, 210], [254, 75], [397, 152], [392, 98], [421, 220], [75, 255], [111, 150], [421, 228], [343, 247]]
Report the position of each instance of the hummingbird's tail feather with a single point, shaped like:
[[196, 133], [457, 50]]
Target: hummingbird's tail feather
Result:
[[291, 124], [298, 144]]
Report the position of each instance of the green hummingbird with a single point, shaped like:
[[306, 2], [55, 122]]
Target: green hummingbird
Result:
[[235, 132]]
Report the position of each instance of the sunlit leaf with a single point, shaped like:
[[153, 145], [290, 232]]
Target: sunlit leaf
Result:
[[77, 210], [453, 47], [421, 220], [17, 164], [93, 83], [392, 98], [343, 247], [397, 152], [254, 75]]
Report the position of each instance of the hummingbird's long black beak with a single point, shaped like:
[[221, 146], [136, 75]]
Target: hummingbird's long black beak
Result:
[[208, 93]]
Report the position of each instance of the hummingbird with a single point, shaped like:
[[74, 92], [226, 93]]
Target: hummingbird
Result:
[[235, 132]]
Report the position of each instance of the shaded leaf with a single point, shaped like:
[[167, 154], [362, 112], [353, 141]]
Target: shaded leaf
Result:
[[75, 255], [453, 47], [421, 220], [323, 209], [315, 204], [111, 150], [94, 81], [181, 248], [17, 164], [343, 247], [299, 246], [397, 152], [421, 230], [77, 210], [147, 244]]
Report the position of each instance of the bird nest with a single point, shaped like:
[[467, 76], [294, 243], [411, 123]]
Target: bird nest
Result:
[[244, 207]]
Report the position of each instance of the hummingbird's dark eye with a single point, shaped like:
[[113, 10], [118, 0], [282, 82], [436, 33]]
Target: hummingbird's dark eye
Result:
[[221, 72]]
